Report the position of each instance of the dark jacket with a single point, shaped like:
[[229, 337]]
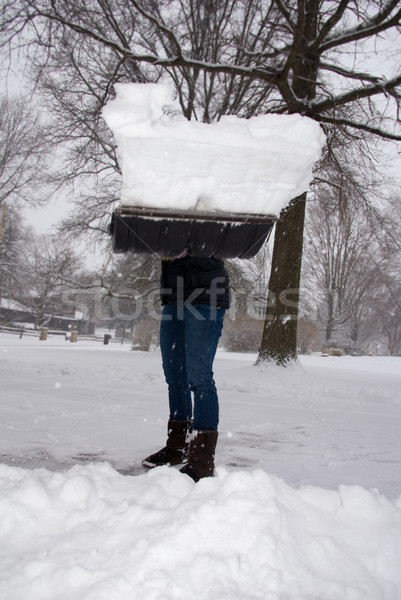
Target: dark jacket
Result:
[[195, 280]]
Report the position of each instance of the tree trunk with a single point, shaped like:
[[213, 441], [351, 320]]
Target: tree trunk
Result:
[[279, 340], [330, 317], [2, 221]]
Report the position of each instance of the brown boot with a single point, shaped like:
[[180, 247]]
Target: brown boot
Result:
[[175, 451], [201, 455]]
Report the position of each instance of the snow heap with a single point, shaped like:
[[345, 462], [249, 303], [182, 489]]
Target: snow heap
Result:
[[92, 534], [261, 529], [254, 165]]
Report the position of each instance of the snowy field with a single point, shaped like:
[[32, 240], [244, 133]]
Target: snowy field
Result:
[[306, 504]]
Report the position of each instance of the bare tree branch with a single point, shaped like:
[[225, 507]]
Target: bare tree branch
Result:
[[331, 22], [388, 86], [359, 126], [368, 28], [348, 73]]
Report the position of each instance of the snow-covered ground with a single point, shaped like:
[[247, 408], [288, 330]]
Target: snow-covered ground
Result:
[[306, 503]]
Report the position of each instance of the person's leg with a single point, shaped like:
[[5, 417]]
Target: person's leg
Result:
[[203, 327], [172, 346], [172, 343]]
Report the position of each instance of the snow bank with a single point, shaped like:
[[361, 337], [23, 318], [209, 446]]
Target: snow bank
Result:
[[93, 534], [88, 533], [254, 165]]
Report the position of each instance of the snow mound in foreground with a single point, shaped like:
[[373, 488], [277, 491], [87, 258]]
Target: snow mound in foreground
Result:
[[93, 534], [236, 165]]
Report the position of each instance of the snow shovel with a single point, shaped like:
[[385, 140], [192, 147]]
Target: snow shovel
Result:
[[168, 232]]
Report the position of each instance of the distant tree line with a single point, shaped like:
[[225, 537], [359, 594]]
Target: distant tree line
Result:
[[223, 57], [351, 283]]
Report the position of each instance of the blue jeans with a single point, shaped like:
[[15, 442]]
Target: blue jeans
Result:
[[189, 335]]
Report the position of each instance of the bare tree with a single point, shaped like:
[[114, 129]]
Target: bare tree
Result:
[[351, 265], [237, 57], [15, 238], [389, 316], [249, 283], [48, 262], [120, 293], [387, 311], [339, 269], [131, 288], [22, 152]]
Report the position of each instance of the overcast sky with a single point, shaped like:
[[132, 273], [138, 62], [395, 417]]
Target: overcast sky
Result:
[[381, 59]]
